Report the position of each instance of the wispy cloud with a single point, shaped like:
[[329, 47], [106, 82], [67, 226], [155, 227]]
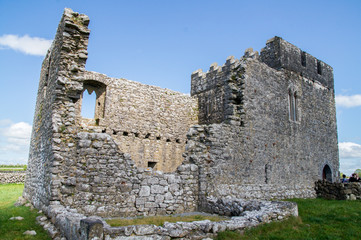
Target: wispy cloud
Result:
[[348, 101], [25, 44], [14, 142]]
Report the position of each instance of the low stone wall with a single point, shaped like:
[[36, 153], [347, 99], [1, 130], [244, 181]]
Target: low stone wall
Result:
[[245, 214], [339, 191], [12, 177]]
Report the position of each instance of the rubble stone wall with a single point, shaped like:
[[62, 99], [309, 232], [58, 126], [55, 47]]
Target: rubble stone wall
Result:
[[339, 191], [12, 177], [85, 166], [148, 122]]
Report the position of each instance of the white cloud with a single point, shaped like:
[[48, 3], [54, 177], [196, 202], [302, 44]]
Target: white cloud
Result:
[[14, 142], [348, 101], [350, 157], [18, 133], [26, 44], [349, 150]]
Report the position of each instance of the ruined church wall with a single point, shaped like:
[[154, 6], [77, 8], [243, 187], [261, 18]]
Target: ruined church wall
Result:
[[42, 166], [107, 183], [150, 123], [83, 168]]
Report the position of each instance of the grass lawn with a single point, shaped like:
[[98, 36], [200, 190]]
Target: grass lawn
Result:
[[318, 219], [14, 229]]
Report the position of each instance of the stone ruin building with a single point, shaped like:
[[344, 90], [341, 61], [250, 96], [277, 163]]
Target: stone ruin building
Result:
[[257, 128]]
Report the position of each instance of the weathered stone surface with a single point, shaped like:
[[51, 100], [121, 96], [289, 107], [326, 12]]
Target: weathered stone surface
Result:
[[339, 191]]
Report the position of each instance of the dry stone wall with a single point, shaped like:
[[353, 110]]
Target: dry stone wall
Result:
[[339, 191], [12, 177]]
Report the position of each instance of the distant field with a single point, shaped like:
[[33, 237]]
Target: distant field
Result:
[[13, 168]]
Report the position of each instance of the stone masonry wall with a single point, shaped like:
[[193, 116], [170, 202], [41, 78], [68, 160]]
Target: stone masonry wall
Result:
[[83, 166], [107, 183], [42, 173], [148, 122], [260, 151], [12, 177], [339, 191]]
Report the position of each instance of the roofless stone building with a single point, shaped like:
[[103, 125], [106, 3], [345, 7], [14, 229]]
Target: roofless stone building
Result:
[[259, 127]]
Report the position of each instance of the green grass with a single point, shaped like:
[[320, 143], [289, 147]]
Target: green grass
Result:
[[13, 229], [160, 220], [318, 219]]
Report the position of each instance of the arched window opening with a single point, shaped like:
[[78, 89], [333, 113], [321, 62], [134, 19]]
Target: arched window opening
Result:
[[327, 173], [293, 105], [88, 104], [93, 101]]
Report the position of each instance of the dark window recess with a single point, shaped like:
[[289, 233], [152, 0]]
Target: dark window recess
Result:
[[125, 133], [136, 134], [168, 140], [319, 67], [147, 136], [104, 130], [151, 164], [177, 141], [114, 132], [303, 58], [291, 109], [295, 101], [158, 138]]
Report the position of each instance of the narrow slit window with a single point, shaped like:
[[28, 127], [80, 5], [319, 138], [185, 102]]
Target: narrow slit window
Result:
[[319, 67], [303, 58], [290, 101], [295, 108]]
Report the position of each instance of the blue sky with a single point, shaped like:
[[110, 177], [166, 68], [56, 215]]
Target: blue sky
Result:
[[162, 42]]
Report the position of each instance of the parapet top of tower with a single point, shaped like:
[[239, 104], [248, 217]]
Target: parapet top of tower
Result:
[[278, 54]]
